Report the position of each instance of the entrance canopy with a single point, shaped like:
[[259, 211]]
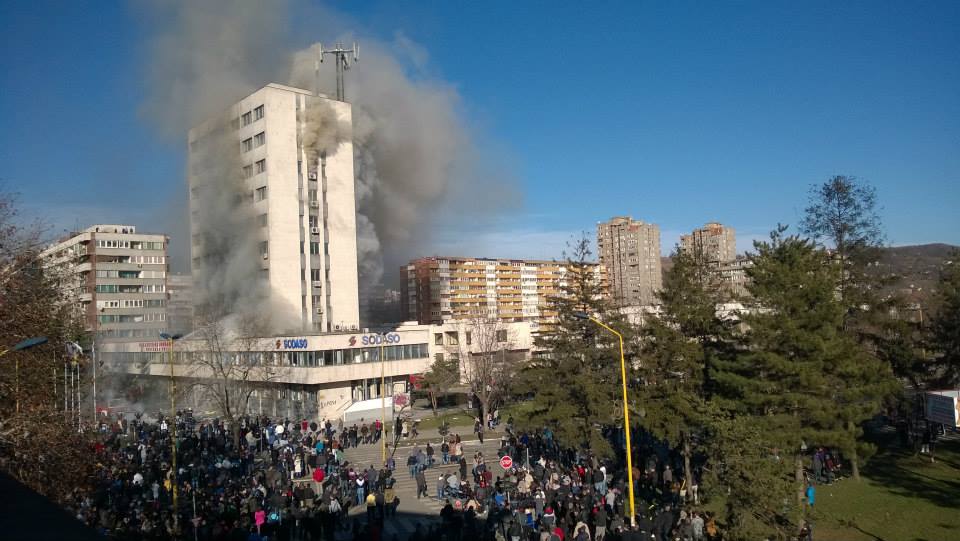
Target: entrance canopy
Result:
[[368, 410]]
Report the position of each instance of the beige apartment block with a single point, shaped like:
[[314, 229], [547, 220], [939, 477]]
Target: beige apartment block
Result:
[[117, 279], [441, 289], [299, 202], [630, 254], [716, 243]]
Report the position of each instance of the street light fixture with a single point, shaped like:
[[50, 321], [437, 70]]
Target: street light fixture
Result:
[[626, 409], [26, 344], [173, 422]]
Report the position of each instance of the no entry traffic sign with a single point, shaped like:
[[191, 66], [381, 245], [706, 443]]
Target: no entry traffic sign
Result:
[[506, 462]]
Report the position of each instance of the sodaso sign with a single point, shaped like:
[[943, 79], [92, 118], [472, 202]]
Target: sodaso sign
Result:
[[292, 343], [377, 339]]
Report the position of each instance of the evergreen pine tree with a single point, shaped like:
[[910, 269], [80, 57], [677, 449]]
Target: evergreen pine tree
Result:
[[842, 216], [754, 478], [575, 387], [802, 379], [945, 332], [678, 346]]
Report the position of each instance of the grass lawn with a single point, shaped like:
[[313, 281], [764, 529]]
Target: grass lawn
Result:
[[453, 418], [901, 497]]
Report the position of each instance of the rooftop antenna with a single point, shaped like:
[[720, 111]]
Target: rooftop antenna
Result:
[[343, 63]]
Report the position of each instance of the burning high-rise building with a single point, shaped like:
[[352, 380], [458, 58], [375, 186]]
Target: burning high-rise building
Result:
[[273, 211]]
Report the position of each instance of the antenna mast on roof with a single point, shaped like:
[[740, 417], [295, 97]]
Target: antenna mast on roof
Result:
[[342, 58]]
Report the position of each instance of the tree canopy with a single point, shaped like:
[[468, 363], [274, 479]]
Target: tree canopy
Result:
[[574, 386]]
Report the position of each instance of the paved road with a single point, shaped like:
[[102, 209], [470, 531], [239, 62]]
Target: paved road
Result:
[[424, 510]]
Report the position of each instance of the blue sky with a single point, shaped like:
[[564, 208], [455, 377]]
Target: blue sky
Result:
[[674, 112]]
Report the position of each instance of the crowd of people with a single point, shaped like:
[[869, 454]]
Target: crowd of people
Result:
[[265, 480], [551, 493]]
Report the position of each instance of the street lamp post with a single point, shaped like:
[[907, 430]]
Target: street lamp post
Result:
[[626, 410], [383, 402], [173, 423]]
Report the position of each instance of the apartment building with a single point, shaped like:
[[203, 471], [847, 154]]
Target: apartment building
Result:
[[290, 228], [734, 278], [440, 289], [630, 254], [715, 242], [117, 278]]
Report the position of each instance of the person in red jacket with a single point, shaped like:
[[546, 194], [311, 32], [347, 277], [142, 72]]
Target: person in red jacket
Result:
[[317, 480]]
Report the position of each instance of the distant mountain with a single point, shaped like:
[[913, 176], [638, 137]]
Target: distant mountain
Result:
[[915, 270]]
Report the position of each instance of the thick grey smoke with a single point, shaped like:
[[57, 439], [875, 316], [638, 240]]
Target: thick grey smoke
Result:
[[414, 154], [226, 231], [205, 55], [408, 139]]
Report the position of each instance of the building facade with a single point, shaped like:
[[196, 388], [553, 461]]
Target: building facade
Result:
[[117, 278], [716, 243], [180, 303], [441, 289], [296, 205], [630, 254], [317, 376], [734, 278]]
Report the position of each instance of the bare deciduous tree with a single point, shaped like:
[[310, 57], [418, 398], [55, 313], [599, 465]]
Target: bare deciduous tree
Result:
[[39, 442], [487, 361], [226, 363]]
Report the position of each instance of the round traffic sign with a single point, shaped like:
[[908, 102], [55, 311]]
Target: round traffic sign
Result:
[[506, 462]]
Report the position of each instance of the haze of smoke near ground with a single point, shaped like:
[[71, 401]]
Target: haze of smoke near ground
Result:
[[414, 153]]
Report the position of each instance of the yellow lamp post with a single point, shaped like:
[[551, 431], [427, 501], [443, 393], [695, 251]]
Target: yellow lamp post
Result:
[[626, 411], [173, 423]]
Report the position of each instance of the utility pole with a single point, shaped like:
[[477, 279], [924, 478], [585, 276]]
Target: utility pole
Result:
[[342, 60]]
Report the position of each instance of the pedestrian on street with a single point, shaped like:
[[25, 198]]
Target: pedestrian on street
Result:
[[371, 508], [412, 464], [421, 483]]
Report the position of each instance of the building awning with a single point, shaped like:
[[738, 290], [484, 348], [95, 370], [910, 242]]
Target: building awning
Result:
[[367, 410]]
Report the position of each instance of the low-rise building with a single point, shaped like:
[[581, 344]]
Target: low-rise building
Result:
[[319, 376], [734, 278]]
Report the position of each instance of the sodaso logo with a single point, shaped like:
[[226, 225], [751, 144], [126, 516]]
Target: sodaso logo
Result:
[[380, 339], [292, 343]]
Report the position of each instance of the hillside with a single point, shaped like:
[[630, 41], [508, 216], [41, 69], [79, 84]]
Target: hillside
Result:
[[913, 270], [916, 268]]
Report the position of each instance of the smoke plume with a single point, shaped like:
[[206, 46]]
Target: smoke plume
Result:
[[414, 153]]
